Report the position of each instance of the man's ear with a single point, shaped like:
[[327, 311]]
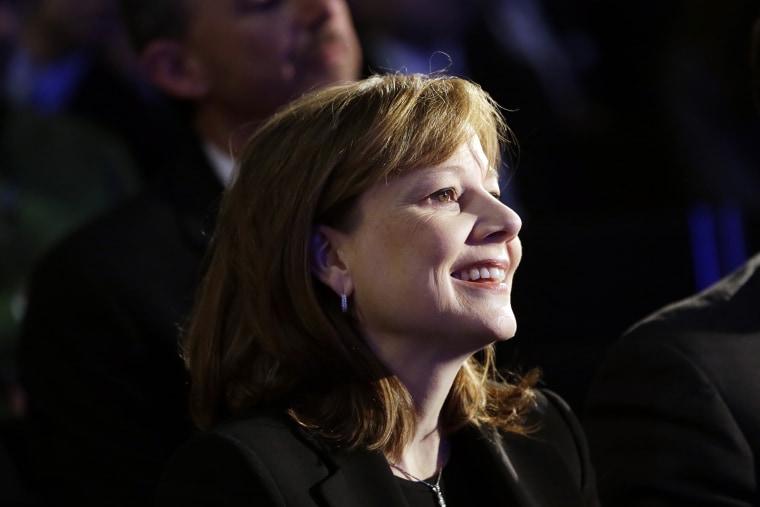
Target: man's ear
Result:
[[327, 259], [174, 70]]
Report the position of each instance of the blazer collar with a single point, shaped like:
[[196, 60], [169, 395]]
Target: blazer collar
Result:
[[362, 478], [532, 468], [487, 448]]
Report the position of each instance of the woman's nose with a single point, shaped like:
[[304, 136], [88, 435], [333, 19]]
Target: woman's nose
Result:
[[496, 221]]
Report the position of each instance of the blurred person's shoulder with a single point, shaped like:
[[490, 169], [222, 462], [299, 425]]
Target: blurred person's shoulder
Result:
[[725, 308]]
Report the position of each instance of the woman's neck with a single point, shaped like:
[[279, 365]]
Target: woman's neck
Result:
[[428, 374], [422, 458], [427, 452]]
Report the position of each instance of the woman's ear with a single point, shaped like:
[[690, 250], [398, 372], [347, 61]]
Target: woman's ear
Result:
[[174, 69], [327, 259]]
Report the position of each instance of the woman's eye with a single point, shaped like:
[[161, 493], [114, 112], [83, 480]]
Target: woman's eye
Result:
[[445, 195]]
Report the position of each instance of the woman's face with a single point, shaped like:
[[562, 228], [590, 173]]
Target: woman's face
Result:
[[432, 258]]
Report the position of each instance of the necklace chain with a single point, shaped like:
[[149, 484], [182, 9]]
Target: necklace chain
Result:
[[435, 487]]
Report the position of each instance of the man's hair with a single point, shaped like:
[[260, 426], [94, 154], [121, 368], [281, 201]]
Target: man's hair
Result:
[[265, 330], [148, 20]]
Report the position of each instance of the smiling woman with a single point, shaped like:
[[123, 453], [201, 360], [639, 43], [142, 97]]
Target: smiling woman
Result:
[[341, 346]]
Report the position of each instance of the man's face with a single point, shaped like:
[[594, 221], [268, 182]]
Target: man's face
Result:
[[257, 55]]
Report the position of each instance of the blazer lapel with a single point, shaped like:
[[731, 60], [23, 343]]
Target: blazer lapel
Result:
[[489, 455], [542, 475], [362, 478], [528, 471]]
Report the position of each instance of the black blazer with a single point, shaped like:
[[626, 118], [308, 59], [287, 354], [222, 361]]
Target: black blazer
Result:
[[265, 459], [98, 352], [673, 418]]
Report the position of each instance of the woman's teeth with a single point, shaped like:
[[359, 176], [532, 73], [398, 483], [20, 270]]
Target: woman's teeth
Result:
[[493, 274]]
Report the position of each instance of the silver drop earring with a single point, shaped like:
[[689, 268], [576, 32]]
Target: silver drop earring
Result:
[[343, 303]]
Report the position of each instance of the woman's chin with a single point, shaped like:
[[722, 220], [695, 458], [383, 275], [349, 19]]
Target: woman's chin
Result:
[[506, 326]]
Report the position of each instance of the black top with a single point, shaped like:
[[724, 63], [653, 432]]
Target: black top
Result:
[[418, 494], [465, 481]]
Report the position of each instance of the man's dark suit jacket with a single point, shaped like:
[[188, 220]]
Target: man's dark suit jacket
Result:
[[673, 418], [263, 458], [98, 354], [134, 112]]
